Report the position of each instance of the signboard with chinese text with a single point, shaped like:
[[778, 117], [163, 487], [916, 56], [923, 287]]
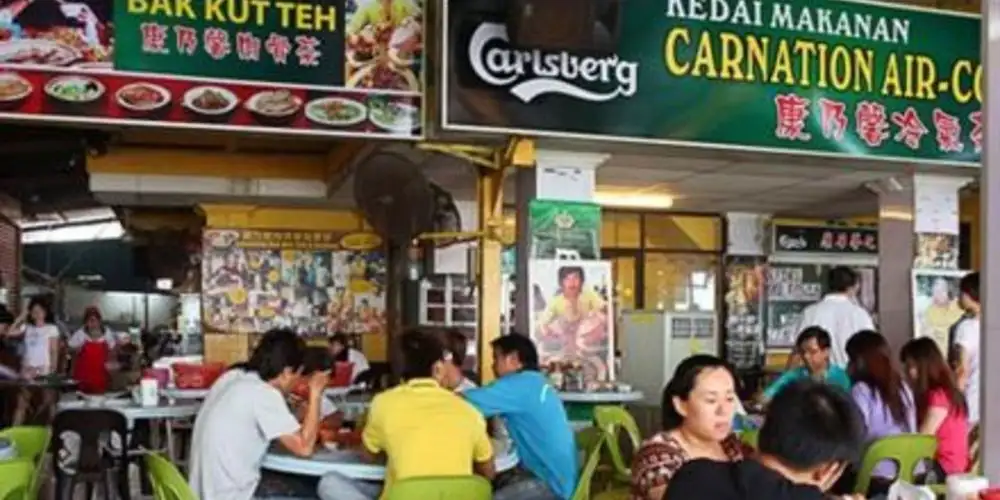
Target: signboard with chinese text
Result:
[[812, 239], [827, 77], [307, 67]]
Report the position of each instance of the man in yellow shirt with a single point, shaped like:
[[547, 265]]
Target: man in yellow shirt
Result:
[[422, 428]]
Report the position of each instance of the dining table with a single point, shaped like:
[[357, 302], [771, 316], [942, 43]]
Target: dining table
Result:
[[350, 462]]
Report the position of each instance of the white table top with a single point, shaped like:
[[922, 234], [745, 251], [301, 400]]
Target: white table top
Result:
[[339, 392], [601, 397], [133, 411], [350, 464]]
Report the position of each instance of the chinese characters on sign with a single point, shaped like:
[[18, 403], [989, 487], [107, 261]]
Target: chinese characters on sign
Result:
[[216, 43], [872, 125], [810, 239]]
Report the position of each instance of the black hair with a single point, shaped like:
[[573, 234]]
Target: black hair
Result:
[[520, 345], [682, 384], [278, 349], [821, 336], [44, 304], [316, 359], [841, 279], [421, 352], [457, 344], [565, 271], [340, 338], [969, 285], [809, 424]]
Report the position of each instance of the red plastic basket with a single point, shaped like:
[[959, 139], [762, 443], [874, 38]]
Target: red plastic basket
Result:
[[191, 376]]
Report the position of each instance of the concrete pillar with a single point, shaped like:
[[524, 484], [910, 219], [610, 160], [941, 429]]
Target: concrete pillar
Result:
[[912, 210], [558, 175], [895, 236]]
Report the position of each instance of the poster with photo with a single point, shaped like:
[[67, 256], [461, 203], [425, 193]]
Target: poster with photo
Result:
[[935, 303], [571, 314], [313, 282]]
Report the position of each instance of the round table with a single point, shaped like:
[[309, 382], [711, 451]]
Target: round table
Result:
[[580, 405], [350, 463]]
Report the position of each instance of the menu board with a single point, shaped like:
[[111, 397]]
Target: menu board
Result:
[[744, 301], [813, 239], [793, 287], [316, 283], [790, 289], [306, 67]]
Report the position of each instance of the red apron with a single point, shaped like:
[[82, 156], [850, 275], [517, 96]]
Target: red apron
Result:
[[89, 370]]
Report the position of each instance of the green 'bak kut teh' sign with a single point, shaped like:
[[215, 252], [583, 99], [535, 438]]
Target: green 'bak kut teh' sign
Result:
[[293, 41], [807, 76]]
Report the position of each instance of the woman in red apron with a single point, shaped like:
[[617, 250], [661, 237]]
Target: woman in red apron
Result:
[[93, 345]]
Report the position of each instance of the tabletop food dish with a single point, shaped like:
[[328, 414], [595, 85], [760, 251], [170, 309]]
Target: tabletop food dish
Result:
[[398, 117], [210, 100]]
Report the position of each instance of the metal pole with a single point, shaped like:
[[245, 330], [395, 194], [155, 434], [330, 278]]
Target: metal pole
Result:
[[990, 227]]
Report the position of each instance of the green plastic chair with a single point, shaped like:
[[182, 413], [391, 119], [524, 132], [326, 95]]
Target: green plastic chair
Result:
[[16, 479], [610, 420], [31, 441], [168, 483], [441, 488], [749, 437], [583, 486], [906, 450]]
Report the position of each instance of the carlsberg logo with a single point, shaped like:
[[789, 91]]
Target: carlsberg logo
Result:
[[537, 72]]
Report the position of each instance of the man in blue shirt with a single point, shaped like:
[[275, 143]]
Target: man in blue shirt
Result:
[[813, 345], [535, 419]]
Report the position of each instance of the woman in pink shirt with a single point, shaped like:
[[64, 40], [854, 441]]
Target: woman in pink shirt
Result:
[[941, 407]]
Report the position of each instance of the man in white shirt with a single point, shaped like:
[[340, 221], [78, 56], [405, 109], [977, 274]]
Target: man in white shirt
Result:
[[245, 412], [966, 348], [838, 312]]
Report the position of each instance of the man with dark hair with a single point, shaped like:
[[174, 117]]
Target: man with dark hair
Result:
[[245, 411], [966, 346], [839, 312], [813, 346], [536, 421], [811, 433], [422, 428]]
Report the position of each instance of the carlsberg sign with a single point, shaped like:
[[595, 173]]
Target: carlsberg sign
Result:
[[532, 73]]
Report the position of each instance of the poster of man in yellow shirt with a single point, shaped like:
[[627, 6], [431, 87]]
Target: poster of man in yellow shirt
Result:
[[571, 314], [935, 304]]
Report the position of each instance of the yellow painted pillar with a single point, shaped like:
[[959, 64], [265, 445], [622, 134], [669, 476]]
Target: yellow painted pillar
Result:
[[489, 191]]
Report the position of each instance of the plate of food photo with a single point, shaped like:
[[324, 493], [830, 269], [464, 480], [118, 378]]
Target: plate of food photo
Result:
[[273, 107], [211, 101], [142, 97], [336, 112], [38, 51], [14, 89], [75, 90]]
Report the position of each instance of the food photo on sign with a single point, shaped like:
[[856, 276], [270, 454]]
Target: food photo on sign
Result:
[[316, 67]]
